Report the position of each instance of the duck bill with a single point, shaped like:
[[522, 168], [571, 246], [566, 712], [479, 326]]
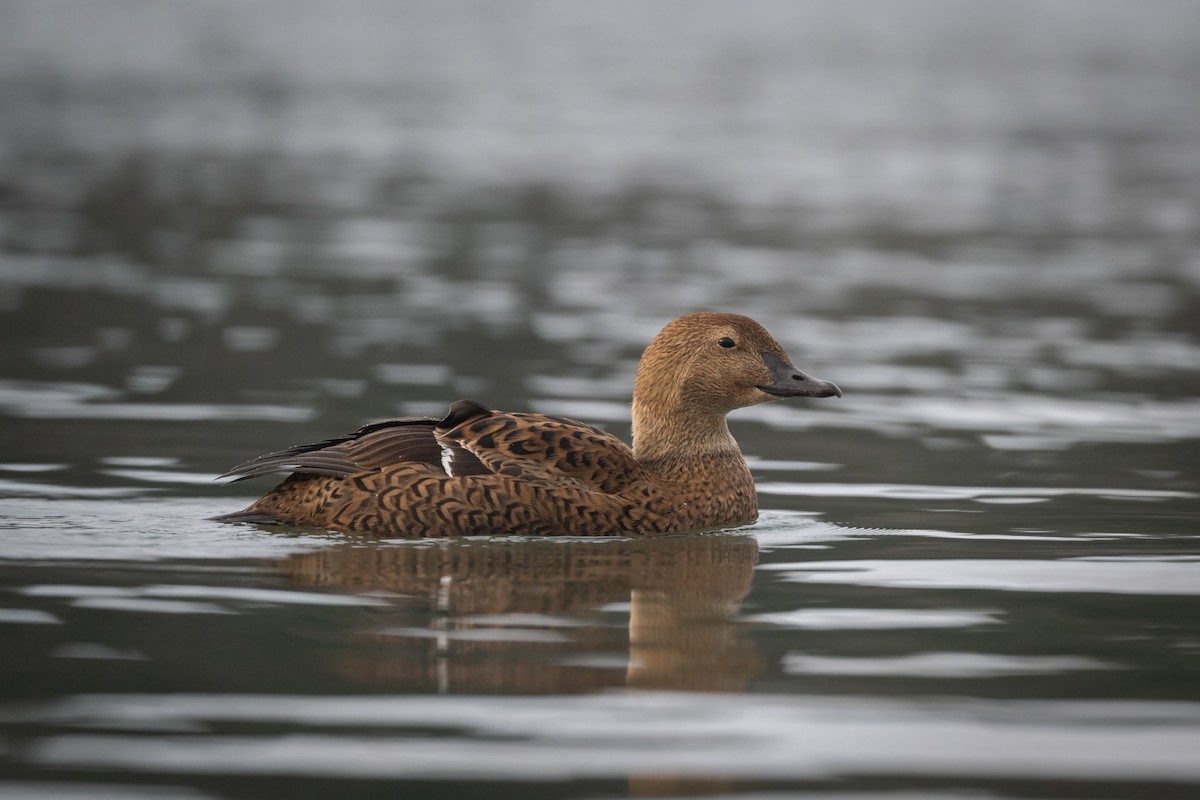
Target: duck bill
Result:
[[787, 381]]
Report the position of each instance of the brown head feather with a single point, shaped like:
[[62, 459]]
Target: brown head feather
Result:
[[689, 379]]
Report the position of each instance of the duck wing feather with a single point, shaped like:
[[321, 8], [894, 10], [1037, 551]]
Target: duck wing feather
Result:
[[477, 471], [548, 449], [371, 447], [471, 440]]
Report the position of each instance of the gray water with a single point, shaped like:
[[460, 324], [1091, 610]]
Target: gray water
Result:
[[226, 228]]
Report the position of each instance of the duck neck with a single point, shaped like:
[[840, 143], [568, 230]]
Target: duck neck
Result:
[[677, 443], [696, 461]]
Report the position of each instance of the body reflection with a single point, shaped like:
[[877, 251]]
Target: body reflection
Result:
[[540, 616]]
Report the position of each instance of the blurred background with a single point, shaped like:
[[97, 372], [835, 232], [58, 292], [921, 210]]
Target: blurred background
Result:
[[974, 216]]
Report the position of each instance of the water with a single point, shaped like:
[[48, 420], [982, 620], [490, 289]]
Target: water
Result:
[[227, 228]]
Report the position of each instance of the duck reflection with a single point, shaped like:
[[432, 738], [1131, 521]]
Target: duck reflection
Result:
[[547, 615]]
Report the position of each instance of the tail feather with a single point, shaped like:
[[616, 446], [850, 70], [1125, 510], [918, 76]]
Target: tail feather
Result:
[[248, 516]]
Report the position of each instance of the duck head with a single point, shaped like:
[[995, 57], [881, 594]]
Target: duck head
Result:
[[703, 365]]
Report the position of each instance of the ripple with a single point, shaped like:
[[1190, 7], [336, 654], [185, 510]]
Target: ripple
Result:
[[32, 467], [938, 665], [88, 524], [521, 620], [97, 651], [37, 400], [240, 593], [30, 489], [1005, 421], [1131, 576], [413, 374], [27, 616], [146, 606], [78, 790], [251, 339], [505, 634], [564, 386], [1020, 494], [860, 619], [614, 734], [174, 412], [139, 461], [590, 410], [163, 476], [771, 465]]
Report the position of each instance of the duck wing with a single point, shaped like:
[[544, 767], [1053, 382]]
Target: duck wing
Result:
[[471, 440], [371, 447], [475, 472], [536, 447]]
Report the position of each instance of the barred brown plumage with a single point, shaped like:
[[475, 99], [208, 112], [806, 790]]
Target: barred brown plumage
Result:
[[479, 471]]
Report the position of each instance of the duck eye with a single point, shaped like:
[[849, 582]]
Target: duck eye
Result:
[[725, 341]]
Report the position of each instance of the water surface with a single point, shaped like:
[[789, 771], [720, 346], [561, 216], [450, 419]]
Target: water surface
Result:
[[225, 229]]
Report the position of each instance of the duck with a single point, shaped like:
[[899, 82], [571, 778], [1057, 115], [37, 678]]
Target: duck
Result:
[[478, 471]]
